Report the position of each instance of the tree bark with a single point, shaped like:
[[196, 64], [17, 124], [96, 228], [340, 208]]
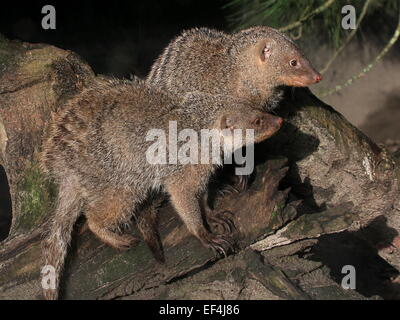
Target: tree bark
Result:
[[340, 180]]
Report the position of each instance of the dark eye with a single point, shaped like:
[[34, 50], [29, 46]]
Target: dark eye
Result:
[[229, 122], [257, 121], [293, 62]]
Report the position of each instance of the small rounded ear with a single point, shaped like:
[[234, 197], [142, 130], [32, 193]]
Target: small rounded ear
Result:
[[266, 52], [227, 122]]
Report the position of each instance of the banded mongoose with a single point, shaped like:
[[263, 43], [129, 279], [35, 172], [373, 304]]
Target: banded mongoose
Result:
[[253, 63], [96, 152]]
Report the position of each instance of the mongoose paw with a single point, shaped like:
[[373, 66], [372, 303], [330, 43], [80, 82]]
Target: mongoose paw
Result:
[[221, 220], [220, 244], [238, 184]]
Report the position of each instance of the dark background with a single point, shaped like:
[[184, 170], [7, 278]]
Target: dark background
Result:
[[115, 37]]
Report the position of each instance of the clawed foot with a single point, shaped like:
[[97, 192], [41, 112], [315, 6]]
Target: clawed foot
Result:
[[220, 244], [221, 220], [238, 184], [242, 183]]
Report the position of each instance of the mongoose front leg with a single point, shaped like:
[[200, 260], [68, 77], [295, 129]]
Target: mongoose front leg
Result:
[[106, 212], [184, 196]]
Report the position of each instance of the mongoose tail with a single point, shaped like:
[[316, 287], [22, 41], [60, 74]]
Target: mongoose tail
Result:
[[59, 232], [147, 223]]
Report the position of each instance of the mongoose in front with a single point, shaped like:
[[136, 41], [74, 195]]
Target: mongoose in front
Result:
[[253, 64], [97, 152]]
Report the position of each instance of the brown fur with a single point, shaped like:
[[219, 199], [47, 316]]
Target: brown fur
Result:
[[96, 152], [233, 64], [236, 64]]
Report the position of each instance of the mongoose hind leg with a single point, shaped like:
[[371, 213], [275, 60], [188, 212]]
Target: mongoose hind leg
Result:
[[106, 213], [184, 194]]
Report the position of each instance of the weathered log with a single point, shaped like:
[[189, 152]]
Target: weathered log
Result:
[[334, 164], [346, 180], [34, 81]]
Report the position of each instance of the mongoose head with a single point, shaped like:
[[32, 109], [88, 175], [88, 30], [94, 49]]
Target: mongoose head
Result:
[[277, 59], [227, 113], [265, 125]]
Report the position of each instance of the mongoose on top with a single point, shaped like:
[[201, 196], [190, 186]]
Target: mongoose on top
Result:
[[96, 152], [251, 64]]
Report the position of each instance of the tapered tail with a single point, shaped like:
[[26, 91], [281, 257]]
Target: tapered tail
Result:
[[58, 237]]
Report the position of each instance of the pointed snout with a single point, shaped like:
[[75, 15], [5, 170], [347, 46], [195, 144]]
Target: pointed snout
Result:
[[312, 78], [303, 80], [271, 124], [279, 121], [276, 124], [267, 121], [317, 77]]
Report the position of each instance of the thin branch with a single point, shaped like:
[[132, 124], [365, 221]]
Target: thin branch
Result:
[[350, 36], [298, 35], [298, 23], [368, 68]]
